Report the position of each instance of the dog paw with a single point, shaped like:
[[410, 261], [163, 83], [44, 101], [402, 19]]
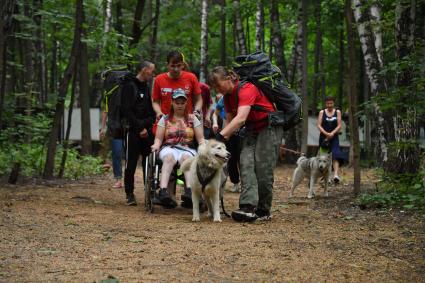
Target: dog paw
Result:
[[196, 219], [310, 196], [217, 220]]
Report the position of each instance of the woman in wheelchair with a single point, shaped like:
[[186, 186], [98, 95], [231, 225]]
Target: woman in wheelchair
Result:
[[174, 136]]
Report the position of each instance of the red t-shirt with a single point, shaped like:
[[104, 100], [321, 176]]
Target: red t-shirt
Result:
[[206, 98], [249, 95], [164, 85]]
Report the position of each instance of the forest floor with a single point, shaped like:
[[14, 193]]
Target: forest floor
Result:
[[82, 232]]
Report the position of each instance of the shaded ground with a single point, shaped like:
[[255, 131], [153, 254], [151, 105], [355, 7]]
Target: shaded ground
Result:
[[82, 232]]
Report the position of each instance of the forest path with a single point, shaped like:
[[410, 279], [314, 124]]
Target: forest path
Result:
[[83, 232]]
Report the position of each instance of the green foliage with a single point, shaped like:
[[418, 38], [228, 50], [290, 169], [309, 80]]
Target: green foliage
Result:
[[402, 191]]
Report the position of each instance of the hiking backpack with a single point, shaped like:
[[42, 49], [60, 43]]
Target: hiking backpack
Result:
[[257, 69], [113, 80]]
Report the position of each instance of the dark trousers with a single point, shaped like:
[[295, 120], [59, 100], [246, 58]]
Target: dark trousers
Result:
[[134, 147], [234, 147]]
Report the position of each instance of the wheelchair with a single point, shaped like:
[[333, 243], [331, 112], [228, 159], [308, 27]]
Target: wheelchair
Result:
[[152, 177]]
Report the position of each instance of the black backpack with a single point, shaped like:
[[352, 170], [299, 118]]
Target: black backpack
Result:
[[113, 80], [257, 69]]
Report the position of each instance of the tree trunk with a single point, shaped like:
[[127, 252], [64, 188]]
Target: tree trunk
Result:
[[303, 77], [276, 34], [137, 22], [108, 16], [6, 11], [84, 92], [239, 27], [377, 84], [297, 49], [40, 62], [259, 26], [69, 124], [154, 53], [248, 38], [406, 157], [204, 41], [341, 69], [375, 13], [318, 72], [223, 34], [63, 88], [354, 126]]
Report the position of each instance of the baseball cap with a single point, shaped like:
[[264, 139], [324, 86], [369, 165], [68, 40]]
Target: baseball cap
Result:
[[179, 93]]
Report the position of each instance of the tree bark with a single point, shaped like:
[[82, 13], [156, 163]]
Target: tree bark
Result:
[[204, 41], [108, 16], [377, 84], [239, 27], [137, 22], [276, 33], [297, 49], [259, 26], [6, 11], [223, 53], [84, 91], [303, 77], [354, 125], [406, 158], [318, 54], [154, 53], [341, 69], [63, 88], [40, 62], [375, 13]]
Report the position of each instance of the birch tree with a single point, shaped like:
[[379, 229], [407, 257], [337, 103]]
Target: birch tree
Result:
[[204, 41], [259, 26], [277, 38], [239, 27], [377, 84], [303, 73]]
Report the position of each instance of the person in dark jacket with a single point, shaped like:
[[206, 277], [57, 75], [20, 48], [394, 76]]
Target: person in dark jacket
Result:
[[140, 116]]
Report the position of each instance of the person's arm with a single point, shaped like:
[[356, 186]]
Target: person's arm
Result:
[[156, 96], [102, 130], [157, 108], [236, 122], [215, 121], [197, 102], [319, 123], [338, 127], [129, 99], [207, 122], [159, 137], [199, 132]]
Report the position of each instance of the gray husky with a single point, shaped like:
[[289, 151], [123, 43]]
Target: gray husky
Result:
[[314, 168]]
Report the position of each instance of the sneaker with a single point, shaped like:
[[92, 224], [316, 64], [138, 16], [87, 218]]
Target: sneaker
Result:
[[244, 214], [117, 185], [263, 215], [186, 198], [131, 200], [236, 188], [336, 180], [166, 200]]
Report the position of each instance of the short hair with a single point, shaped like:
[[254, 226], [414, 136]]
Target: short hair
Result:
[[329, 98], [175, 56], [144, 64]]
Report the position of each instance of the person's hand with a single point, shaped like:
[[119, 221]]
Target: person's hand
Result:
[[102, 133], [155, 147], [330, 135], [198, 114], [215, 128], [207, 122], [143, 134], [159, 115]]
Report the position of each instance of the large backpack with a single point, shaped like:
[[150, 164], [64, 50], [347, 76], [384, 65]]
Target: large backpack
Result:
[[113, 80], [257, 69]]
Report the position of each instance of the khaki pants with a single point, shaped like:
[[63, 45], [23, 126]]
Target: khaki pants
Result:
[[257, 162]]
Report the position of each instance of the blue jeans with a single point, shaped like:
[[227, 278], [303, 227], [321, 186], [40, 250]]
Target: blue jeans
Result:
[[117, 149]]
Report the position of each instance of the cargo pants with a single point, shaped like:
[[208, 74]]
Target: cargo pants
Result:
[[257, 162]]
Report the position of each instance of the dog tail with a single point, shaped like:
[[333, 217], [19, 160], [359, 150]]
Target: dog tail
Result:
[[186, 164]]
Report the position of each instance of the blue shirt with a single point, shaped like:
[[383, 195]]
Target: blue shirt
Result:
[[220, 106]]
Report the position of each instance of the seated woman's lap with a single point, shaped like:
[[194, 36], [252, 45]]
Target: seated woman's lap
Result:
[[177, 153]]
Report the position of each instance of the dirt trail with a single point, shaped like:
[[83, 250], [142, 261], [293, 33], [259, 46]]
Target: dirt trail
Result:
[[82, 232]]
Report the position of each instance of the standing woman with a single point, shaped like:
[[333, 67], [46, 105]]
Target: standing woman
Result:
[[260, 141], [329, 124]]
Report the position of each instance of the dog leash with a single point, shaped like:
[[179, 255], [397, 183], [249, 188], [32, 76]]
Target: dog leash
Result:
[[292, 151]]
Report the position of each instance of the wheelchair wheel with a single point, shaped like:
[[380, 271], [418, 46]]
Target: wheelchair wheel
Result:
[[149, 182]]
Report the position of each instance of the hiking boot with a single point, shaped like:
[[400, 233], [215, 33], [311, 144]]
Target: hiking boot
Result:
[[166, 200], [263, 215], [245, 213], [236, 188], [131, 200], [186, 198]]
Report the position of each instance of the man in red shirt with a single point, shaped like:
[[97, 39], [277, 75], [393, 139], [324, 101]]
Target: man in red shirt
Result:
[[247, 111], [175, 78]]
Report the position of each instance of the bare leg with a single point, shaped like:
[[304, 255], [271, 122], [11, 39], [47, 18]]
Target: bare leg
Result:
[[167, 167], [335, 164]]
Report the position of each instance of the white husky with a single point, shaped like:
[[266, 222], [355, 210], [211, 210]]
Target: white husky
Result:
[[314, 168], [205, 177]]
